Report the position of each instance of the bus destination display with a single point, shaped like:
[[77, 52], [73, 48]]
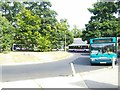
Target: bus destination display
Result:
[[103, 40]]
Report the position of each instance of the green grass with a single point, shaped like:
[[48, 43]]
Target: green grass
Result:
[[21, 57], [25, 58]]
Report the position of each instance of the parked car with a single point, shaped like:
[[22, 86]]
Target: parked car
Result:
[[17, 48]]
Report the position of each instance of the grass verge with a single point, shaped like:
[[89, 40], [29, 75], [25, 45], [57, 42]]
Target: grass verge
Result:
[[27, 57]]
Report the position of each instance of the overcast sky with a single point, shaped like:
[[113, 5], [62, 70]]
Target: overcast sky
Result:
[[75, 11]]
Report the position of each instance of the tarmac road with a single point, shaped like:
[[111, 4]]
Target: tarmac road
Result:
[[51, 69]]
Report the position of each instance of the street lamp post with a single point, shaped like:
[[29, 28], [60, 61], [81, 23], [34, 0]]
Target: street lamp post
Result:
[[65, 40]]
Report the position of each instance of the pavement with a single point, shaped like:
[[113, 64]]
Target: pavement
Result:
[[102, 78]]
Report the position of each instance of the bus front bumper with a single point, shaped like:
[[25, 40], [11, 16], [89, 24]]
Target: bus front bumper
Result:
[[101, 61]]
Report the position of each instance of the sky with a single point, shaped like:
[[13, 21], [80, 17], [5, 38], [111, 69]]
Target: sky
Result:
[[75, 11]]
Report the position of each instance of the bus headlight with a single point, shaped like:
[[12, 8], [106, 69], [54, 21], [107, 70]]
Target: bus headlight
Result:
[[92, 59]]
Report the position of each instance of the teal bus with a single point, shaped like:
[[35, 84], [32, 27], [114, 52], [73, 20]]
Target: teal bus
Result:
[[103, 50]]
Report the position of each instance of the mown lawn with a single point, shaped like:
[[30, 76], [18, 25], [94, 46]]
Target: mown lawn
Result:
[[23, 57]]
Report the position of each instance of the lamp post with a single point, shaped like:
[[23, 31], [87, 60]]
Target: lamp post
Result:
[[119, 13], [65, 40]]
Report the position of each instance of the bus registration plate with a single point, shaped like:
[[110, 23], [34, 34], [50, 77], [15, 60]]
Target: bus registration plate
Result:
[[103, 57], [103, 62]]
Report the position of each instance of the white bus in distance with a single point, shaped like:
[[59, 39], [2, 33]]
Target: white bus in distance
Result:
[[79, 47]]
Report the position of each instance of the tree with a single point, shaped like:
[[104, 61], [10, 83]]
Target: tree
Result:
[[5, 8], [10, 9], [43, 44], [48, 20], [65, 33], [6, 34], [27, 28], [48, 16], [103, 23], [35, 22], [76, 32]]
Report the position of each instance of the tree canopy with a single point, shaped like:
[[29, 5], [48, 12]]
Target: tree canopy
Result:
[[6, 34], [35, 25], [103, 23], [77, 33]]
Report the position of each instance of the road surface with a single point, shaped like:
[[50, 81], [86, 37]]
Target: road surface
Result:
[[51, 69]]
